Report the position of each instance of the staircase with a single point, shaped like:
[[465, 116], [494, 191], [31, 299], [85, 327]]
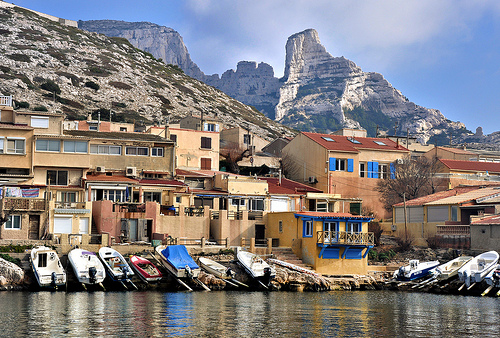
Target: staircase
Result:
[[287, 255]]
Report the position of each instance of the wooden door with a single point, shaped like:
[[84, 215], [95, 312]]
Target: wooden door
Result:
[[34, 227]]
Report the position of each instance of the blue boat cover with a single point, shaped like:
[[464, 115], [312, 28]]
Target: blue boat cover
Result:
[[178, 256]]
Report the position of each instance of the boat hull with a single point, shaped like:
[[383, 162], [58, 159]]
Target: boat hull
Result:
[[87, 267], [177, 267], [117, 268], [146, 270], [475, 270], [450, 269], [415, 270], [256, 267], [47, 267], [216, 269]]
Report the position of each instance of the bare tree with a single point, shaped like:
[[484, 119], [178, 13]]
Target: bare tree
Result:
[[232, 153], [412, 178]]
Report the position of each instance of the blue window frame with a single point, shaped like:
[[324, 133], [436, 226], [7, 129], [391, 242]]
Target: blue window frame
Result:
[[331, 164], [307, 228]]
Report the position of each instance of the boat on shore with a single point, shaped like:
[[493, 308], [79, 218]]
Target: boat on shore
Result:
[[414, 270], [87, 267], [450, 269], [216, 269], [475, 270], [47, 267], [256, 267], [117, 268], [146, 270]]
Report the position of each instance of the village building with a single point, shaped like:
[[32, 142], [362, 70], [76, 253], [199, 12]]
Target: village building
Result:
[[347, 165]]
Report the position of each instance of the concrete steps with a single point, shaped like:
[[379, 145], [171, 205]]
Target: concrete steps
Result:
[[287, 255]]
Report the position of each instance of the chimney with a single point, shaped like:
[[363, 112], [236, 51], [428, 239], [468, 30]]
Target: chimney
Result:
[[89, 117], [279, 181]]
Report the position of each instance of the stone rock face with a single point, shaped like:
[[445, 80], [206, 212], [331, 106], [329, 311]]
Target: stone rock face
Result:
[[11, 272]]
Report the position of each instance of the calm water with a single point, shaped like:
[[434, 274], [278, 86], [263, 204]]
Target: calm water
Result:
[[242, 314]]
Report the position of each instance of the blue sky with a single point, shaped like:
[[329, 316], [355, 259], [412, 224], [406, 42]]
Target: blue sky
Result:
[[440, 54]]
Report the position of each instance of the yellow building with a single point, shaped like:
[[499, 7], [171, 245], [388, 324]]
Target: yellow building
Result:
[[332, 243], [346, 165]]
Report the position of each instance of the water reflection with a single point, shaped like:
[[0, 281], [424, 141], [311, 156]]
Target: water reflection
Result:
[[246, 314]]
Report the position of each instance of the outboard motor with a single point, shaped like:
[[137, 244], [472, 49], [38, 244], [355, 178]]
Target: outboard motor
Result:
[[267, 275], [54, 278], [92, 274], [229, 272], [125, 272], [189, 272]]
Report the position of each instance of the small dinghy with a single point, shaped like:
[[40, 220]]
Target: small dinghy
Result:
[[178, 262], [445, 271], [116, 266], [475, 270], [87, 267], [47, 267], [219, 271], [414, 270], [146, 270], [256, 267]]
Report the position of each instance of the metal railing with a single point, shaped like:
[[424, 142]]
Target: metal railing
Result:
[[453, 230], [195, 241], [70, 205], [255, 215], [235, 215], [343, 237], [6, 101]]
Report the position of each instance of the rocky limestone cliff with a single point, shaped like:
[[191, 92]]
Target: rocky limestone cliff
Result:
[[97, 72], [316, 83]]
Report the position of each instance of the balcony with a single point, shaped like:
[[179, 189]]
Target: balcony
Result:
[[453, 230], [24, 204], [345, 238], [6, 101]]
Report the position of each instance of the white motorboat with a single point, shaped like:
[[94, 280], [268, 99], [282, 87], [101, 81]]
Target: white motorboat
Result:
[[256, 267], [87, 267], [216, 269], [414, 270], [47, 267], [116, 266], [450, 269], [177, 261], [475, 270]]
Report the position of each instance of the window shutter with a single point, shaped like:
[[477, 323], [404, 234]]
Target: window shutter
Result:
[[205, 126], [370, 170], [217, 128], [331, 166], [350, 165], [393, 171], [375, 169]]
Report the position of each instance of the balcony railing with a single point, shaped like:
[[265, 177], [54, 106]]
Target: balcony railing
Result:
[[255, 215], [6, 101], [453, 230], [21, 203], [347, 238]]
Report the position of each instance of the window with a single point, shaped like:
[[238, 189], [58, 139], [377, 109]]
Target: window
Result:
[[238, 201], [57, 177], [75, 147], [352, 140], [246, 138], [13, 222], [15, 146], [321, 206], [454, 213], [206, 143], [177, 199], [380, 143], [150, 196], [383, 171], [157, 152], [210, 127], [353, 227], [48, 145], [1, 145], [280, 226], [257, 204], [123, 128], [173, 138], [308, 229], [93, 127], [39, 122], [206, 163], [105, 149], [329, 139], [137, 151], [68, 196], [340, 164], [115, 195], [362, 169]]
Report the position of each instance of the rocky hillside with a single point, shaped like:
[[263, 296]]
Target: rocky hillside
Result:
[[49, 66]]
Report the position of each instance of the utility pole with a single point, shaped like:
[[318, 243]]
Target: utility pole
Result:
[[406, 229], [396, 127]]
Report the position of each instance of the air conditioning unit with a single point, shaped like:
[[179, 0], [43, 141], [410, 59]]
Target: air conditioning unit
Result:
[[393, 227], [399, 161], [312, 179], [131, 171], [100, 169]]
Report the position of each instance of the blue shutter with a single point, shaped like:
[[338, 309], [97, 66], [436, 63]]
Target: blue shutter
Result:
[[331, 166], [393, 170], [375, 170], [370, 169], [350, 165]]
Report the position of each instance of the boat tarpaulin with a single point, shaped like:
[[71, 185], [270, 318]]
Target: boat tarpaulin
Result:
[[178, 256]]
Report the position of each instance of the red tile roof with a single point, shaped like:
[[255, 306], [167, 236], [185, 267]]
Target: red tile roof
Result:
[[495, 219], [437, 196], [491, 167], [456, 150], [287, 186], [343, 143]]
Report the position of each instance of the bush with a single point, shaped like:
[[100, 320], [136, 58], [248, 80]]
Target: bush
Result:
[[92, 85], [404, 244], [22, 104], [51, 86], [40, 108], [377, 231], [8, 258]]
